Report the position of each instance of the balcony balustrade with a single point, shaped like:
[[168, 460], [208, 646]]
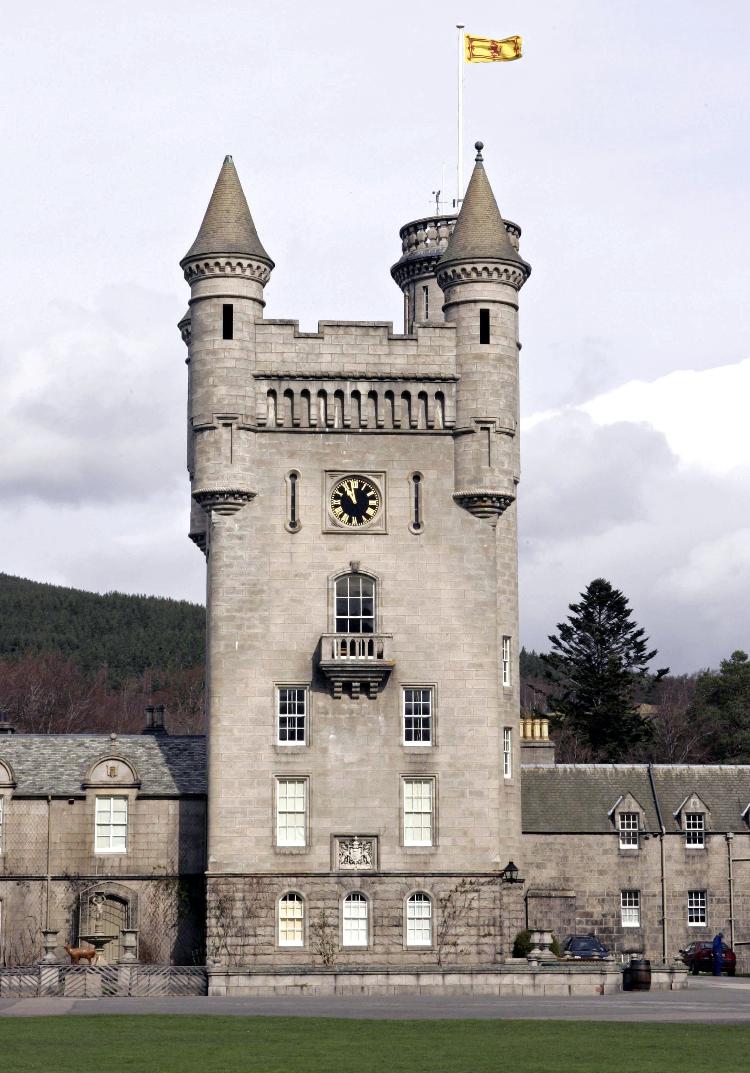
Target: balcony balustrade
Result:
[[357, 658]]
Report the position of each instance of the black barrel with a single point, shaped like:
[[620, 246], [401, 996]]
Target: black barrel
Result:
[[627, 979], [640, 974]]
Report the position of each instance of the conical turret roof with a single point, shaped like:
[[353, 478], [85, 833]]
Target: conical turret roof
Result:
[[228, 226], [480, 232]]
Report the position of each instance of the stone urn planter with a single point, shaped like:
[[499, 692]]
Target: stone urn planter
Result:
[[129, 944], [541, 941]]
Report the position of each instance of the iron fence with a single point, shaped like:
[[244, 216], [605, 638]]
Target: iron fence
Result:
[[103, 981]]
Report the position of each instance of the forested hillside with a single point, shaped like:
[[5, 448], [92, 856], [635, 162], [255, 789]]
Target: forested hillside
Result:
[[73, 660], [126, 635]]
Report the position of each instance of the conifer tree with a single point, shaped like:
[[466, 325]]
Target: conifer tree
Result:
[[599, 660], [722, 707]]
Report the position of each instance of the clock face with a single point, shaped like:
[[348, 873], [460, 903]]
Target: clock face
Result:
[[355, 501]]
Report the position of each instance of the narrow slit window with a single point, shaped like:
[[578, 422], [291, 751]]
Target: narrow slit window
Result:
[[506, 662], [416, 503], [426, 302], [227, 311], [292, 484], [484, 325], [507, 753]]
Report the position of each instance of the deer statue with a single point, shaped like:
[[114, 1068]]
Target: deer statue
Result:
[[78, 953]]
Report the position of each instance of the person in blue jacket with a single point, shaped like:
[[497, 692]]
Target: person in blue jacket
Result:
[[717, 950]]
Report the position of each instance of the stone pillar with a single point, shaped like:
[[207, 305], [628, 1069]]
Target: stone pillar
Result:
[[50, 944]]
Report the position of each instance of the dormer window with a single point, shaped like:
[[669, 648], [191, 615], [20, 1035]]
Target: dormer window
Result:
[[629, 820], [695, 830], [627, 823], [693, 817]]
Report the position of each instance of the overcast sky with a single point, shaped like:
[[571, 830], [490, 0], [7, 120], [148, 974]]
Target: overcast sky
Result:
[[619, 143]]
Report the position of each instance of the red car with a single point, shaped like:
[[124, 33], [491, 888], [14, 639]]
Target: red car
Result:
[[699, 957]]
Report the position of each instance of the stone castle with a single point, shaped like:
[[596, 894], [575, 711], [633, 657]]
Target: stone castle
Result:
[[369, 797], [355, 492]]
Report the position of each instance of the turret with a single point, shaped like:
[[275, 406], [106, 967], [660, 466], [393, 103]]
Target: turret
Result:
[[227, 268], [481, 273], [423, 242]]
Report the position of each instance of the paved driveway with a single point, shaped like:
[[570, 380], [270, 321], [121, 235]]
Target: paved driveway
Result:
[[706, 1000]]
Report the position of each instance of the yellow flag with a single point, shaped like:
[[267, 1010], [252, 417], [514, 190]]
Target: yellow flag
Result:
[[485, 50]]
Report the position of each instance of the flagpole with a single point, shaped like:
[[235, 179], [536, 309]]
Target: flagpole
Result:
[[460, 131]]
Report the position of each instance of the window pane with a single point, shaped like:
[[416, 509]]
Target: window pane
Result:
[[290, 812], [418, 812], [628, 825], [417, 716], [419, 920], [291, 920], [697, 907], [355, 920], [695, 826], [111, 824], [292, 703], [630, 907], [355, 604]]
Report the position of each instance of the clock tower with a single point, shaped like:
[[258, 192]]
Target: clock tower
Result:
[[354, 492]]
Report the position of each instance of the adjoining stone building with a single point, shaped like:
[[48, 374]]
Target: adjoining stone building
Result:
[[649, 857], [99, 833]]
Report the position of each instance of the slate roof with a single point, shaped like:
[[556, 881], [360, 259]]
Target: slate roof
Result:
[[228, 226], [57, 764], [576, 798], [480, 233]]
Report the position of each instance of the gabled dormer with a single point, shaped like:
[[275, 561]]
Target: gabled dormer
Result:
[[628, 818], [693, 817]]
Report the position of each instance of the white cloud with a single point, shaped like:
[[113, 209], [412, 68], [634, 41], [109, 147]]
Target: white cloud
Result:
[[702, 414], [648, 486], [89, 408]]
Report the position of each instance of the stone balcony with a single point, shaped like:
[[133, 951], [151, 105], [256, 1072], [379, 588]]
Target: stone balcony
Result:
[[362, 659]]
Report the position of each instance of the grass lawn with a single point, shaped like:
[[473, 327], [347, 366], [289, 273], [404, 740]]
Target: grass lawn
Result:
[[184, 1044]]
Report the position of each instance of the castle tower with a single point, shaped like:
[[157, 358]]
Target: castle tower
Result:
[[481, 273], [362, 611], [227, 269]]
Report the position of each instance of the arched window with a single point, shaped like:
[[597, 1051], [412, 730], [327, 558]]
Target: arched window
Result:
[[291, 920], [419, 919], [355, 604], [356, 911]]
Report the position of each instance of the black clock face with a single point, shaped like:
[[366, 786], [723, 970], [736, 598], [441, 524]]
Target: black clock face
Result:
[[355, 501]]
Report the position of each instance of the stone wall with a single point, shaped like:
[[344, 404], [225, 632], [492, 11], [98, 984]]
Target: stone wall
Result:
[[475, 920]]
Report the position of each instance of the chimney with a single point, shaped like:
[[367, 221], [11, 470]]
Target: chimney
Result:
[[155, 720], [536, 747]]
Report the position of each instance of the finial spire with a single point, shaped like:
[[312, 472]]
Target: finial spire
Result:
[[228, 226], [480, 232]]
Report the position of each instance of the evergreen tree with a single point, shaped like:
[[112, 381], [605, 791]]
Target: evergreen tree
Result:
[[599, 660], [722, 707]]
